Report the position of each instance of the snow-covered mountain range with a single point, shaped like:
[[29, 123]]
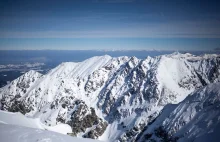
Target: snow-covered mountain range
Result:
[[122, 98]]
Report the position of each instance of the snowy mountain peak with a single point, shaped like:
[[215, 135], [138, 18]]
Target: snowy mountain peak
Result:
[[178, 55], [101, 96], [32, 73], [206, 56]]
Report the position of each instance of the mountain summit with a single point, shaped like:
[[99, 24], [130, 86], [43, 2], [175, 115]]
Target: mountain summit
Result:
[[110, 98]]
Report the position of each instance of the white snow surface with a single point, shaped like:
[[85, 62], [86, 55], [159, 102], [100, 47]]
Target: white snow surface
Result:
[[21, 120], [15, 127], [13, 133]]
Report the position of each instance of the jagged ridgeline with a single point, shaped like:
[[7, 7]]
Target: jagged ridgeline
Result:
[[110, 98]]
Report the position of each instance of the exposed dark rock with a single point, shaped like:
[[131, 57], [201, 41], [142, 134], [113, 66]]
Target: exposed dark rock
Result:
[[160, 132], [97, 131], [16, 106], [84, 118]]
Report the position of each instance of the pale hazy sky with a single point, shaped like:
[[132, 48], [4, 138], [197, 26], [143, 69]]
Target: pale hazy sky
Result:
[[110, 24]]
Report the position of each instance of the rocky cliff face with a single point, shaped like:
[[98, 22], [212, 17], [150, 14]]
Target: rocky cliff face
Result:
[[110, 98]]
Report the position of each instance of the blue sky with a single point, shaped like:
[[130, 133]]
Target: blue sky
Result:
[[110, 24]]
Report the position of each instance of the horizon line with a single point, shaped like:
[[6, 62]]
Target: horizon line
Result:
[[107, 50]]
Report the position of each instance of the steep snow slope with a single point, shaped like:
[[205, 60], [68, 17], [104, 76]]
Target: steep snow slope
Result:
[[12, 133], [111, 98], [197, 118]]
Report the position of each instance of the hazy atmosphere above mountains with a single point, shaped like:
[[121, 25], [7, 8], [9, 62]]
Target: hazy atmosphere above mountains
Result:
[[109, 24]]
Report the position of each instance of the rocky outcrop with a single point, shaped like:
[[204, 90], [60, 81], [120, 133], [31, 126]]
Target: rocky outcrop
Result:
[[84, 118]]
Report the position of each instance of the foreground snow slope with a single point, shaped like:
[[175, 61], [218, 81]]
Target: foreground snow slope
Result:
[[12, 133], [20, 120], [109, 98], [197, 118]]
